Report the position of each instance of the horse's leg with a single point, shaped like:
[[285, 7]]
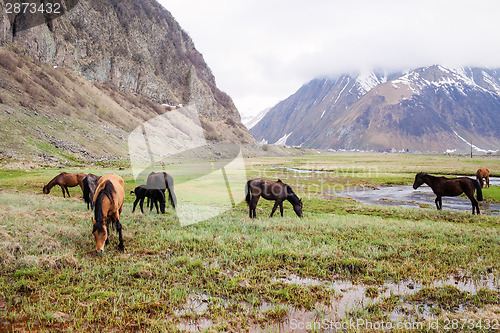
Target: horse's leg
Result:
[[62, 188], [135, 203], [156, 205], [281, 208], [118, 226], [487, 181], [276, 203], [253, 207], [151, 204], [142, 204], [67, 191], [473, 201], [438, 202]]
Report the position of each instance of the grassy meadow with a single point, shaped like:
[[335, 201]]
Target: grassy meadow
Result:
[[232, 273]]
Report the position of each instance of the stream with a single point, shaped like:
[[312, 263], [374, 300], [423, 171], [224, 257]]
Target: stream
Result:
[[406, 196]]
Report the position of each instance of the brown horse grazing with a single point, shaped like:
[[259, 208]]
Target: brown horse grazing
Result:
[[108, 199], [483, 174], [65, 180], [89, 186], [270, 190], [446, 187], [162, 181]]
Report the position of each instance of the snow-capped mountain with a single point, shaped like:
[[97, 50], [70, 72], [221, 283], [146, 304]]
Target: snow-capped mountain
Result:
[[430, 108]]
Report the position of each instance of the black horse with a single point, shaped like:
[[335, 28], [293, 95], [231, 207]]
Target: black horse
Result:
[[277, 191], [154, 197], [451, 187], [89, 183], [162, 181]]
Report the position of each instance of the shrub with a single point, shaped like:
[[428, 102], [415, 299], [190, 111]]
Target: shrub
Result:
[[7, 61]]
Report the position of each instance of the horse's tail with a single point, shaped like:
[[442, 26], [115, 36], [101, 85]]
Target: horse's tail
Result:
[[479, 190], [170, 188], [248, 193], [86, 192]]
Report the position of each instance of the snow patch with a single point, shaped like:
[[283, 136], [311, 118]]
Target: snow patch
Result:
[[491, 81], [282, 140], [251, 122], [323, 114], [340, 93], [476, 148], [368, 81]]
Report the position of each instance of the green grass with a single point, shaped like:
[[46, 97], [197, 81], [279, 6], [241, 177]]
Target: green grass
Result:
[[492, 193], [232, 265]]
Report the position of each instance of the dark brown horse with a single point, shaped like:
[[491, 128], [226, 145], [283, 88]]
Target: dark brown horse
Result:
[[108, 199], [450, 187], [65, 180], [483, 174], [277, 191], [162, 181], [89, 186]]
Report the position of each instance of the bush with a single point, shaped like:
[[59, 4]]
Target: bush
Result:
[[7, 62]]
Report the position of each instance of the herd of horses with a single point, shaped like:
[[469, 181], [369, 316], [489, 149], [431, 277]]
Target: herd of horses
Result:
[[105, 195]]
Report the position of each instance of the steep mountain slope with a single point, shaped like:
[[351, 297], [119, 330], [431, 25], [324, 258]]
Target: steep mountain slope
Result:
[[134, 48], [432, 108], [298, 117]]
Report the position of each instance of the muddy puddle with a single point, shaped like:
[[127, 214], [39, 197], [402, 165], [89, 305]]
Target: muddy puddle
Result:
[[349, 297], [406, 196], [352, 297]]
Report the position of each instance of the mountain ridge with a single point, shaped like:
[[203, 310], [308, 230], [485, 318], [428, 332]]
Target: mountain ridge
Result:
[[426, 109]]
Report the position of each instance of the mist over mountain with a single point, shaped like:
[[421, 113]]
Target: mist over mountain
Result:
[[431, 108]]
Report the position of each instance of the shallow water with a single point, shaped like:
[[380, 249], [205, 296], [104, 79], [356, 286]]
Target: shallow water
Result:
[[406, 196], [349, 297], [353, 296]]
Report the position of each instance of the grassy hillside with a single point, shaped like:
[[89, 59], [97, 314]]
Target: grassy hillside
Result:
[[51, 115], [231, 273]]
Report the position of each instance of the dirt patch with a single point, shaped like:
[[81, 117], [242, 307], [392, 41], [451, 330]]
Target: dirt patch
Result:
[[48, 245], [9, 248], [50, 261]]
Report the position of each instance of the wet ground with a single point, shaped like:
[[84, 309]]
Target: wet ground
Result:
[[349, 297], [423, 197]]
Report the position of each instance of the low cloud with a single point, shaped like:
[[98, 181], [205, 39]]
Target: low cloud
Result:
[[262, 51]]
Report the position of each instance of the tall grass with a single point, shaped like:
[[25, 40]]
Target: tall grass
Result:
[[227, 272]]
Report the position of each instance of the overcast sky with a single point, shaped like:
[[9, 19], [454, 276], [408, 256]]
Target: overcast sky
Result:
[[262, 51]]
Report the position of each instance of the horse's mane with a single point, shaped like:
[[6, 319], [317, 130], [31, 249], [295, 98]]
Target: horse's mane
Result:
[[291, 196], [108, 190]]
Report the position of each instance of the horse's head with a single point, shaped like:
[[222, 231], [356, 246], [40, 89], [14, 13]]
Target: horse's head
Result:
[[46, 189], [298, 208], [419, 180], [100, 233]]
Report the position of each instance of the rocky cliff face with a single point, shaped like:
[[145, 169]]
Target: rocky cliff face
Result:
[[137, 47], [428, 109]]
